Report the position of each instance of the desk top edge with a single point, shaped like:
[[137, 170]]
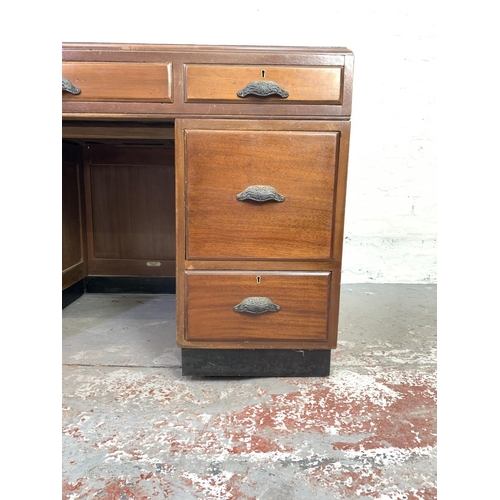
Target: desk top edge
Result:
[[202, 48]]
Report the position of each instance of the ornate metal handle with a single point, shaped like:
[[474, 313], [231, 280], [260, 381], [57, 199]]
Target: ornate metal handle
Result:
[[69, 87], [260, 193], [262, 88], [256, 305]]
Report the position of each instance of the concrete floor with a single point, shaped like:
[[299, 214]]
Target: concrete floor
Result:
[[134, 428]]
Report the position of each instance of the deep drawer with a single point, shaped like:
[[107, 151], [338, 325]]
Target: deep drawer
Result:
[[291, 306], [225, 169], [274, 84], [119, 81]]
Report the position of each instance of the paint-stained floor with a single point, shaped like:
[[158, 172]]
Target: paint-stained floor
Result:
[[135, 428]]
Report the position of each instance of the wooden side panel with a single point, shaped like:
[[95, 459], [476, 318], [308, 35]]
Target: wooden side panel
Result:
[[304, 84], [119, 81], [303, 299], [73, 235], [131, 210]]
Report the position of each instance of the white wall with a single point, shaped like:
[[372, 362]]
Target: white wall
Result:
[[390, 231]]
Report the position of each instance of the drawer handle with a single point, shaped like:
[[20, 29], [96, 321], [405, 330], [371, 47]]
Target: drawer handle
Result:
[[69, 87], [262, 88], [256, 305], [260, 193]]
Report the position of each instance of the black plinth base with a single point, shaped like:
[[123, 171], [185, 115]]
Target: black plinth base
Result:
[[118, 284], [72, 293], [255, 363], [129, 284]]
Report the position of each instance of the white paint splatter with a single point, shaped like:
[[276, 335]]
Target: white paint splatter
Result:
[[214, 487]]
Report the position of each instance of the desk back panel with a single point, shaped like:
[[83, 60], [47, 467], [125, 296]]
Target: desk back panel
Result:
[[130, 203]]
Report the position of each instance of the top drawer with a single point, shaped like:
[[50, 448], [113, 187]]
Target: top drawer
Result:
[[274, 84], [119, 81]]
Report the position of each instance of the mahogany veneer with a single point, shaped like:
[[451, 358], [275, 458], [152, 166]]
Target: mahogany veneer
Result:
[[242, 198]]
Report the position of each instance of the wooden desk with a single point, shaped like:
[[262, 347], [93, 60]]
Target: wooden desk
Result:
[[224, 167]]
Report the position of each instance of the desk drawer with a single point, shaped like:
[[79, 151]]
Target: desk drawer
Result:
[[258, 84], [225, 170], [290, 306], [119, 81]]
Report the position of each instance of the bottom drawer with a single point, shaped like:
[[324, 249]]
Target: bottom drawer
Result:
[[257, 306]]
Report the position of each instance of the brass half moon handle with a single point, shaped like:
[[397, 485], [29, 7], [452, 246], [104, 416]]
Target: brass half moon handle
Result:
[[262, 88], [69, 87], [256, 305], [260, 193]]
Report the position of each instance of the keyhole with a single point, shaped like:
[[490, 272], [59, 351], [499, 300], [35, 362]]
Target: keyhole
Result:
[[263, 73], [258, 279]]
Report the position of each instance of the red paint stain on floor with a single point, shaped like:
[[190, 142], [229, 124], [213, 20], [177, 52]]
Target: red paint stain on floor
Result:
[[403, 416], [256, 444], [120, 489], [408, 422], [68, 488], [423, 494]]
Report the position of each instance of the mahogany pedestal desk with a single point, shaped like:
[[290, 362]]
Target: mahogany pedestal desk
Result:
[[224, 167]]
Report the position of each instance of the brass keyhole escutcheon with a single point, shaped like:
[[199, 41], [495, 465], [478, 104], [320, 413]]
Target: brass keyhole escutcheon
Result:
[[263, 73], [258, 279]]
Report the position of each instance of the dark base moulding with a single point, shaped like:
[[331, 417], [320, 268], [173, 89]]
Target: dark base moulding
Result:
[[255, 363]]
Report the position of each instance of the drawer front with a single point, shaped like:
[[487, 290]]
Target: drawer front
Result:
[[224, 170], [119, 81], [291, 306], [294, 84]]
